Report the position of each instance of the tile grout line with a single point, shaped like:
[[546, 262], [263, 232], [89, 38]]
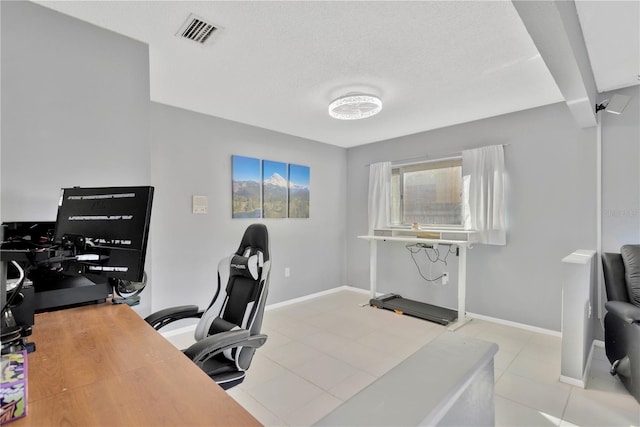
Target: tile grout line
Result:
[[566, 405]]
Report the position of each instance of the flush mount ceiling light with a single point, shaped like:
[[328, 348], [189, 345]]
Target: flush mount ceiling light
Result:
[[354, 106]]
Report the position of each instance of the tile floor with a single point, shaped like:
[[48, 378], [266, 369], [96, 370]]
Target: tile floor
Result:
[[323, 351]]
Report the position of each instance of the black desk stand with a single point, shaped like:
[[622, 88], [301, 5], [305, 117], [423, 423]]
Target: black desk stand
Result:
[[17, 318]]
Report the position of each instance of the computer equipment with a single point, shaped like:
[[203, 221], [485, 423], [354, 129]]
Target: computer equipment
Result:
[[98, 241], [107, 228]]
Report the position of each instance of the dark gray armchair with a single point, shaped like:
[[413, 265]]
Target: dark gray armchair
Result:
[[228, 332], [622, 321]]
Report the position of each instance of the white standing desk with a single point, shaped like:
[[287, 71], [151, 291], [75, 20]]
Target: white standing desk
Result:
[[462, 264]]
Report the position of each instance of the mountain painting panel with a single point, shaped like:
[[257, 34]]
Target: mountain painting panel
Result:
[[246, 187], [299, 178], [274, 189]]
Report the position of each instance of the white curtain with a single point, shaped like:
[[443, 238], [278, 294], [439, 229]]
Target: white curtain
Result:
[[484, 193], [379, 195]]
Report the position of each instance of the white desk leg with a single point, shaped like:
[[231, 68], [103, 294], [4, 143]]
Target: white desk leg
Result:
[[462, 290], [373, 266]]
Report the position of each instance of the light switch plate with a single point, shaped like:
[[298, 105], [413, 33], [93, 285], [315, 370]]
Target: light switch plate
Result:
[[200, 205]]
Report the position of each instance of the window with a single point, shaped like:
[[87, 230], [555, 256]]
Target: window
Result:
[[428, 193]]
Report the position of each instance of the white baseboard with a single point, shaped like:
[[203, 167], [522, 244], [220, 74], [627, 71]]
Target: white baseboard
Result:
[[515, 324], [191, 328], [314, 295], [587, 368], [366, 292], [572, 381]]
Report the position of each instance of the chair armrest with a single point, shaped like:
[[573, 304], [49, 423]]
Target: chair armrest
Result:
[[208, 347], [624, 310], [162, 318]]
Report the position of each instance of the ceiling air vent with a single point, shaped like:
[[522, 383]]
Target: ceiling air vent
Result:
[[196, 29]]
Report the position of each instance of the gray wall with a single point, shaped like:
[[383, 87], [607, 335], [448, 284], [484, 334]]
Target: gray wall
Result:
[[621, 174], [191, 155], [75, 110], [551, 212]]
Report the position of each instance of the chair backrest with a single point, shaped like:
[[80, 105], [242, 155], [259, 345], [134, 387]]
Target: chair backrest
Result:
[[247, 293], [631, 259], [614, 280], [243, 280], [622, 274]]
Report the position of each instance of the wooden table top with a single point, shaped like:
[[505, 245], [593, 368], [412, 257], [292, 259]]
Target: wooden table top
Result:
[[104, 365]]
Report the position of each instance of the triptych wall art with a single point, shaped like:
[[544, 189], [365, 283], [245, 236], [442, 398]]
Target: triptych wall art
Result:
[[268, 189]]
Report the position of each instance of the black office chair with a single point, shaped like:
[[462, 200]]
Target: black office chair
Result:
[[228, 332], [622, 321]]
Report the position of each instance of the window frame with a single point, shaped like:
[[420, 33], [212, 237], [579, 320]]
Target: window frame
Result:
[[400, 169]]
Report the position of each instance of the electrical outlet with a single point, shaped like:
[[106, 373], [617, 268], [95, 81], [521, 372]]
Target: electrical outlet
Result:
[[445, 278], [287, 272], [590, 311]]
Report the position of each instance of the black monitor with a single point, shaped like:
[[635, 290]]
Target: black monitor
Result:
[[108, 228]]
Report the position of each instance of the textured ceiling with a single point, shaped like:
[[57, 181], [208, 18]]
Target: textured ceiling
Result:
[[277, 65], [612, 34]]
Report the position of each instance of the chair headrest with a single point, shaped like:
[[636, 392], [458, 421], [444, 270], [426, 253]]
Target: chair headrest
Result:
[[255, 240], [245, 266]]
